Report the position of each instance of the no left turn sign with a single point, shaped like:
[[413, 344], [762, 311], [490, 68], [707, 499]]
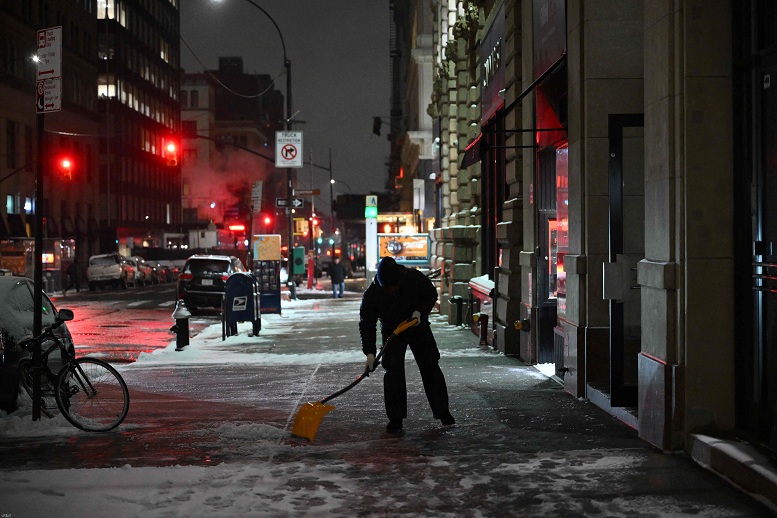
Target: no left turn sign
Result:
[[288, 149]]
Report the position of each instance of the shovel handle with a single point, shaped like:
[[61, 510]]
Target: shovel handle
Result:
[[407, 324], [404, 326]]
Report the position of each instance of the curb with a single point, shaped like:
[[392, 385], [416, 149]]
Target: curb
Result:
[[738, 462]]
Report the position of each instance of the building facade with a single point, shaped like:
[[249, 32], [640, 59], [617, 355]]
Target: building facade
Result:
[[229, 120], [138, 55], [70, 197], [606, 169]]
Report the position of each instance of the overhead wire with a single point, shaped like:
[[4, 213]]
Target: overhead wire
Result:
[[208, 72]]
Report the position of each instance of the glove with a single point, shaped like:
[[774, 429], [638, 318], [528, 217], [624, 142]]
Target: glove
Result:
[[417, 316], [368, 364]]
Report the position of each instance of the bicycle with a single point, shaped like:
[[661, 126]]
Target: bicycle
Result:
[[89, 393]]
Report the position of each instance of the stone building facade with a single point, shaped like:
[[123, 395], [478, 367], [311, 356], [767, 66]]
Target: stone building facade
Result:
[[605, 167]]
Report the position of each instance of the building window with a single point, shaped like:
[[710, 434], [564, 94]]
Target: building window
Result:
[[106, 85], [10, 144], [195, 99], [11, 204], [184, 99], [189, 129]]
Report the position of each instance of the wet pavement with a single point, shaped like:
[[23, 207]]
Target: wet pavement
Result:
[[521, 445]]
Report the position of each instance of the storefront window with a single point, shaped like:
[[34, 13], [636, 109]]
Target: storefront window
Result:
[[559, 238]]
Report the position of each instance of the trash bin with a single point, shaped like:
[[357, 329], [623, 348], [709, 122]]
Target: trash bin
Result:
[[241, 303]]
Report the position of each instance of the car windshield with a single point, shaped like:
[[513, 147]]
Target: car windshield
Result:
[[202, 266], [103, 260]]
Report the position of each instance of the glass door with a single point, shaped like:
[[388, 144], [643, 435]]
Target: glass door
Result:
[[626, 249]]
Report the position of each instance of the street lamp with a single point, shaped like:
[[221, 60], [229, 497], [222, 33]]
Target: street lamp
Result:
[[289, 177]]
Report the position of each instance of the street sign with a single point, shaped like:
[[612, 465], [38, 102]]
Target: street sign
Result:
[[48, 84], [288, 149], [307, 192], [296, 203], [371, 201]]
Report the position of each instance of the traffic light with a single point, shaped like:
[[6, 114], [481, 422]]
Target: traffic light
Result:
[[267, 220], [171, 154], [66, 168]]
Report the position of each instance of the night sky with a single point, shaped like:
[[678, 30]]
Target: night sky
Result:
[[339, 53]]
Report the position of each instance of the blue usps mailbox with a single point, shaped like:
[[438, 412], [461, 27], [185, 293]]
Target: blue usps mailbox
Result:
[[241, 304]]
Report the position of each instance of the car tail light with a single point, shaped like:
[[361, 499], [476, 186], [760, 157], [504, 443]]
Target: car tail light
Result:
[[185, 276], [224, 277]]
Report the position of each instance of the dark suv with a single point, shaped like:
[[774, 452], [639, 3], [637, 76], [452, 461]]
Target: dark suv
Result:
[[202, 280]]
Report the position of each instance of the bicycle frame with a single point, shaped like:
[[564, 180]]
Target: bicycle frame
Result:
[[89, 392]]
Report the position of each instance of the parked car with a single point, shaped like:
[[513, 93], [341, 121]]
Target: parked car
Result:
[[170, 269], [16, 322], [109, 269], [202, 281], [143, 272], [158, 273]]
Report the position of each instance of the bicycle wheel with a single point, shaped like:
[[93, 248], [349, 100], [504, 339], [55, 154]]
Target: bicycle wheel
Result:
[[48, 401], [92, 395]]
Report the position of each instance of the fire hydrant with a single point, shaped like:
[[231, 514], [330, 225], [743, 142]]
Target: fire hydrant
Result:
[[181, 327]]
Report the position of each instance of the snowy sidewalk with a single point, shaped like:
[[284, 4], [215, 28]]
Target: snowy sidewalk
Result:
[[208, 435]]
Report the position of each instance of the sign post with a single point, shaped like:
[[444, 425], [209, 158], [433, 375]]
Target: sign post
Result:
[[371, 234], [48, 98]]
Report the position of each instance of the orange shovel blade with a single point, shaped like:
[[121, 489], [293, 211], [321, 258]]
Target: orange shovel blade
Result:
[[308, 419]]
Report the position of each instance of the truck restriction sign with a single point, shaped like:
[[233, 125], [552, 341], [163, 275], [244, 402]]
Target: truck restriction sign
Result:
[[288, 149]]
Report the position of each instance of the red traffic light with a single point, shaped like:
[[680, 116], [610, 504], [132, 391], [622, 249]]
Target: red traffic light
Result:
[[66, 168], [171, 154], [267, 220]]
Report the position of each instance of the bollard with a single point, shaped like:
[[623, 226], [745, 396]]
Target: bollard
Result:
[[181, 316], [483, 325], [458, 302]]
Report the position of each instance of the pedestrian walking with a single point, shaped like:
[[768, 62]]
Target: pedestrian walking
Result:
[[396, 294], [72, 276], [337, 276]]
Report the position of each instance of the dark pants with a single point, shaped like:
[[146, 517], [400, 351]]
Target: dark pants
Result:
[[427, 356]]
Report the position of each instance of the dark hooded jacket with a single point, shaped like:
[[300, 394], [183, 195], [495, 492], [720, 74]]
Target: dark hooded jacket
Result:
[[415, 293]]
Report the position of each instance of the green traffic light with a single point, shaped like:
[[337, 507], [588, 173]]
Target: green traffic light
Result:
[[370, 212]]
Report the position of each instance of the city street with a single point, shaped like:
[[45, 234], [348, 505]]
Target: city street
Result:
[[118, 325], [208, 434]]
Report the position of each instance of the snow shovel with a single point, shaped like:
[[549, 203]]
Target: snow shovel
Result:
[[309, 415]]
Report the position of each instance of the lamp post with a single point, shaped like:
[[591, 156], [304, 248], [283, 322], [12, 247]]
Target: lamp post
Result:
[[289, 175]]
